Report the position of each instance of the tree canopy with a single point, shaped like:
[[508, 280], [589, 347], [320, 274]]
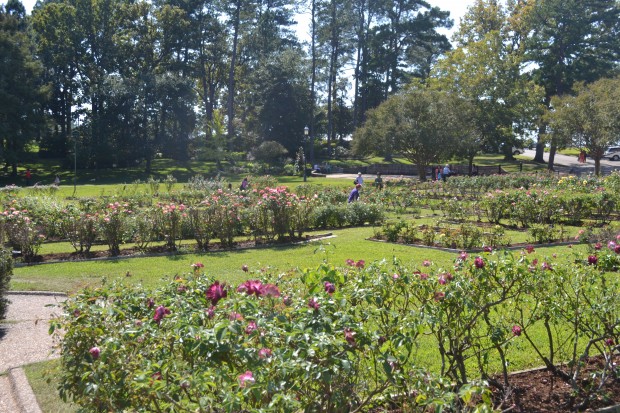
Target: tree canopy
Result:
[[205, 79], [421, 124], [589, 119]]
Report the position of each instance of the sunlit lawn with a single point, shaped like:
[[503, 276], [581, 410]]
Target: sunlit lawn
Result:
[[152, 272]]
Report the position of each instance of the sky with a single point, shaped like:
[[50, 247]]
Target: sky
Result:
[[457, 8]]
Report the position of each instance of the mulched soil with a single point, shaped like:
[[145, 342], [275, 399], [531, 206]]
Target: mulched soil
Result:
[[538, 391], [187, 248]]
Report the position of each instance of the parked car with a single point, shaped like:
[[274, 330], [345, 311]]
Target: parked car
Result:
[[517, 151], [612, 153]]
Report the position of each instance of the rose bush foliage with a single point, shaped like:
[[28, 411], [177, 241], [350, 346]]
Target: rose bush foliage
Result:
[[342, 340], [339, 339]]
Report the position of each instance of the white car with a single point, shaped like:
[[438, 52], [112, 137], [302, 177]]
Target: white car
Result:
[[612, 153]]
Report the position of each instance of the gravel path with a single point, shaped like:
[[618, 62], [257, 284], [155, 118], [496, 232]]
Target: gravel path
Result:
[[24, 339], [24, 334]]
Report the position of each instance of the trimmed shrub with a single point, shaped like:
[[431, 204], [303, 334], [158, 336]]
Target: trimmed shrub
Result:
[[6, 271]]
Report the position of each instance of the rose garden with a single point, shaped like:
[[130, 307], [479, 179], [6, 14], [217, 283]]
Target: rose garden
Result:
[[486, 276]]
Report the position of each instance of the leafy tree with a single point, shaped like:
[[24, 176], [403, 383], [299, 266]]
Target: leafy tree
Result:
[[486, 69], [21, 92], [395, 41], [589, 119], [335, 41], [273, 101], [423, 125], [269, 152], [567, 41], [56, 46]]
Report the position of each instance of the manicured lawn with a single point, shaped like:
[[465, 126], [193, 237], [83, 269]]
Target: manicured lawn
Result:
[[347, 243], [151, 272], [43, 379]]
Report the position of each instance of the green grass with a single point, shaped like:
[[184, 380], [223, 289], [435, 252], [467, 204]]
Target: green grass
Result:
[[43, 377], [349, 243], [226, 266], [91, 183]]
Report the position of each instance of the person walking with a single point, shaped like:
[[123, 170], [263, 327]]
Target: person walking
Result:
[[359, 180], [28, 176], [57, 181], [446, 172], [379, 181], [355, 193], [244, 184]]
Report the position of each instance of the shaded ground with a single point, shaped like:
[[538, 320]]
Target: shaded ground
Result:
[[538, 391]]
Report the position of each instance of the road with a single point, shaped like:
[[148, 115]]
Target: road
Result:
[[566, 163]]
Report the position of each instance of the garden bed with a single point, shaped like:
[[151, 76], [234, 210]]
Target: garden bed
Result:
[[538, 391], [514, 246], [189, 248]]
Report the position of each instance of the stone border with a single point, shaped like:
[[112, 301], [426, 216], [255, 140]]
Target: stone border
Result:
[[22, 391]]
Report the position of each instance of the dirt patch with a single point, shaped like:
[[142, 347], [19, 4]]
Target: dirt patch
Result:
[[538, 391]]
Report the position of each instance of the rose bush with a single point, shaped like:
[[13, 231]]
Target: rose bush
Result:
[[338, 339], [343, 340]]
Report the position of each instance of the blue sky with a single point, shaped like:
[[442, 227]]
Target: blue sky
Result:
[[457, 7]]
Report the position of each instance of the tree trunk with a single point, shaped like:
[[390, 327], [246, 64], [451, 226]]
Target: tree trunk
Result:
[[597, 166], [422, 171], [552, 152], [540, 145], [312, 83], [231, 78]]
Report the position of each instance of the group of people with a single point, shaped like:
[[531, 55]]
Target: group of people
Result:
[[442, 173], [28, 178], [354, 195]]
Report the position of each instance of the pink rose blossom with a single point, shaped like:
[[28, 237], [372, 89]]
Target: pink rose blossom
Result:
[[264, 353], [216, 292], [95, 352], [246, 378], [329, 287], [312, 303], [516, 330], [251, 327], [349, 335], [160, 313], [479, 262], [234, 316]]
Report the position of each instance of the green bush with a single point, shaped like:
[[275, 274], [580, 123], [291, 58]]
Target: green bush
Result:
[[6, 271], [341, 340], [338, 339]]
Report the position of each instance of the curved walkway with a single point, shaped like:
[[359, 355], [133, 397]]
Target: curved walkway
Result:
[[24, 339]]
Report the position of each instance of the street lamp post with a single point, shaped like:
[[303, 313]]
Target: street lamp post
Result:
[[306, 131], [76, 135]]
